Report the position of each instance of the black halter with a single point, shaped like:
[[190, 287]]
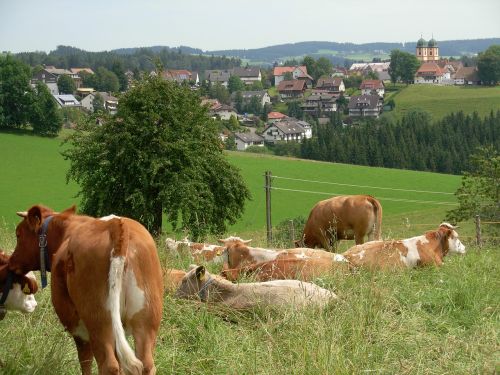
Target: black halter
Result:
[[44, 254]]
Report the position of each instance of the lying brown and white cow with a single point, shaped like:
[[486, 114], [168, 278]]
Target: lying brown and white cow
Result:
[[202, 251], [106, 278], [20, 291], [200, 284], [427, 249], [265, 264], [344, 217]]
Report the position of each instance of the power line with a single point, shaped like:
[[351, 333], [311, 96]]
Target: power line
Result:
[[381, 198], [363, 186]]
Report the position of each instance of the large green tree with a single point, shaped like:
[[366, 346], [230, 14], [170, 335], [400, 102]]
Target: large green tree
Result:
[[160, 155], [45, 116], [488, 64], [403, 66], [479, 193], [66, 85], [235, 84], [15, 92]]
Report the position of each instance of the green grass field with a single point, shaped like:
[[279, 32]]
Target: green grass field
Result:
[[442, 100], [33, 171], [423, 321]]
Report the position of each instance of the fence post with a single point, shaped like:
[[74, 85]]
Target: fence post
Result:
[[478, 230], [268, 206], [292, 233]]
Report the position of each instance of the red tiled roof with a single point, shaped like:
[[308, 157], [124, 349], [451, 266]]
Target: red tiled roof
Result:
[[281, 70], [371, 84], [276, 115], [430, 67], [293, 85]]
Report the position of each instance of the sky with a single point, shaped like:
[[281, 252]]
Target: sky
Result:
[[98, 25]]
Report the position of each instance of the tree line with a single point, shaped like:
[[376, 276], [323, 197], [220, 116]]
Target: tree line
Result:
[[415, 142], [142, 59]]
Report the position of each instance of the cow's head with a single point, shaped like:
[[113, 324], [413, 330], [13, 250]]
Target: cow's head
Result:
[[20, 297], [26, 256], [192, 282], [235, 254], [450, 235]]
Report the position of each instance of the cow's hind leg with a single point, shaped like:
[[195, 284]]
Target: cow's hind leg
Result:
[[85, 355], [145, 340]]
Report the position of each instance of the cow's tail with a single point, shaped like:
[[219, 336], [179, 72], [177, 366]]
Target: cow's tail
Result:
[[377, 231], [129, 363]]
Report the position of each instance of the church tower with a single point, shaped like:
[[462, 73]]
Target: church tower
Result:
[[427, 51]]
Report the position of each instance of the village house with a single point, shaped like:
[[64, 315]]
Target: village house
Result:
[[218, 76], [467, 76], [59, 72], [79, 70], [320, 103], [297, 72], [372, 86], [292, 89], [180, 76], [110, 102], [275, 116], [48, 78], [67, 101], [365, 106], [245, 140], [381, 69], [430, 73], [288, 130], [217, 109], [247, 96], [331, 84], [247, 75]]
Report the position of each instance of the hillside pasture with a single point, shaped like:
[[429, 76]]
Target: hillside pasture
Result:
[[33, 171], [442, 100]]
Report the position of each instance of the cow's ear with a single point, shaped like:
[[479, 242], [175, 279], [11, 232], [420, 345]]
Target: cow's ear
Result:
[[34, 217], [200, 273], [30, 286], [69, 211]]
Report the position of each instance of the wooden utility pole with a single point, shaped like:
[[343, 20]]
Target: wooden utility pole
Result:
[[268, 206], [478, 230]]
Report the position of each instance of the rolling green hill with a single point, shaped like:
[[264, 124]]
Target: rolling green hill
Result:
[[33, 171], [441, 100]]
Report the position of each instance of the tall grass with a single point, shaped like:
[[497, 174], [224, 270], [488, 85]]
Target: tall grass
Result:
[[423, 321]]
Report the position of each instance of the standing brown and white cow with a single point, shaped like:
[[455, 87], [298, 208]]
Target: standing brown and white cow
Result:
[[106, 278], [427, 249], [344, 217]]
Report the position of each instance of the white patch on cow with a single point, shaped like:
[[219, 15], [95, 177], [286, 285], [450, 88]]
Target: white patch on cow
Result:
[[260, 254], [455, 246], [361, 254], [109, 217], [81, 331], [18, 301], [171, 244], [339, 258], [133, 298], [412, 257], [124, 352], [301, 256]]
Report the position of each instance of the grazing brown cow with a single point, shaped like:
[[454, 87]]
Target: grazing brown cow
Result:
[[18, 291], [427, 249], [200, 284], [345, 217], [106, 278]]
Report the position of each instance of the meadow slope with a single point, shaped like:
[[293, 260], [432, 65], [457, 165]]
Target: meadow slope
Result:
[[33, 171]]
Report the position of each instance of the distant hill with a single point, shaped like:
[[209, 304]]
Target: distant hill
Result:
[[338, 53], [351, 50]]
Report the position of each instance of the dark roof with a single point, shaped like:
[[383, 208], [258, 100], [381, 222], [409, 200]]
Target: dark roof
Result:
[[328, 82], [432, 43], [217, 75], [421, 42], [289, 126], [249, 137], [293, 85], [467, 72], [246, 72], [363, 101]]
